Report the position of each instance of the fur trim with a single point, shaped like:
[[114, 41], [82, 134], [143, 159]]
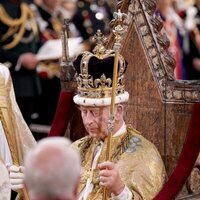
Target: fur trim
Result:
[[121, 98]]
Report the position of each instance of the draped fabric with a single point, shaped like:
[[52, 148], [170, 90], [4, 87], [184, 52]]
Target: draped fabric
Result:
[[139, 163], [17, 133], [63, 113], [186, 161]]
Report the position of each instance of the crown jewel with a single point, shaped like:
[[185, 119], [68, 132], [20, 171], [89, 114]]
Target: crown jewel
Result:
[[95, 73]]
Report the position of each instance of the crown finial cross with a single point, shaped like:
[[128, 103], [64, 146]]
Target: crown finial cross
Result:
[[99, 37], [100, 40]]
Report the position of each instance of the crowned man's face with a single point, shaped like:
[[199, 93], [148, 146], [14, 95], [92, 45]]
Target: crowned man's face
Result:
[[95, 120]]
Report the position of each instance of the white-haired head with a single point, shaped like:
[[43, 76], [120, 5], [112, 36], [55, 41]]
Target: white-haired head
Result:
[[52, 169]]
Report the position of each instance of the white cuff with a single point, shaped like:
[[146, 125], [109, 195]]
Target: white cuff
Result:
[[126, 194]]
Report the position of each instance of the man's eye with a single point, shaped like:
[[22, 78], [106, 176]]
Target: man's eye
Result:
[[84, 111], [96, 114]]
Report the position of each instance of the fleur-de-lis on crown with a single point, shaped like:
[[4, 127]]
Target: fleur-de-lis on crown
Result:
[[102, 82]]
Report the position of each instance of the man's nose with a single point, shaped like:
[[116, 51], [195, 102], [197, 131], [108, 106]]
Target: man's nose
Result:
[[89, 118]]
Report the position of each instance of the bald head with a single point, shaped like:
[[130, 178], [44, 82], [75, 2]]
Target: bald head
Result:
[[52, 170]]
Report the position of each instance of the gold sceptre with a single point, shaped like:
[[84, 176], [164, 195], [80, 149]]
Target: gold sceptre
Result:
[[118, 31], [68, 82]]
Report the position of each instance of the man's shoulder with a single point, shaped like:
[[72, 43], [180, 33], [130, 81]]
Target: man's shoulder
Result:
[[81, 142], [139, 142], [137, 134], [142, 151]]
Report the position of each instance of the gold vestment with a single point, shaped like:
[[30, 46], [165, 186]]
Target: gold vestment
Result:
[[17, 133], [138, 161]]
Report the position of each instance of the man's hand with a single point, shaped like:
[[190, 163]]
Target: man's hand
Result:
[[109, 177], [16, 175], [28, 61]]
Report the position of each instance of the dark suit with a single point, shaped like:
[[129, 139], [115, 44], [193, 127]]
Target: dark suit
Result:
[[47, 103], [26, 82]]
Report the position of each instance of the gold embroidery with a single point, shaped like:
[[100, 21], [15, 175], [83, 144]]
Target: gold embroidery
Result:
[[138, 162], [8, 127]]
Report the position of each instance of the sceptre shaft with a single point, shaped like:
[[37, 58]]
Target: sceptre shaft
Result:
[[118, 31]]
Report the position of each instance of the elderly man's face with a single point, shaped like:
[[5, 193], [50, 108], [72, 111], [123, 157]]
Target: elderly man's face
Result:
[[95, 120]]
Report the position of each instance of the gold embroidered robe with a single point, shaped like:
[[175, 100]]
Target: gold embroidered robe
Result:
[[17, 133], [139, 163]]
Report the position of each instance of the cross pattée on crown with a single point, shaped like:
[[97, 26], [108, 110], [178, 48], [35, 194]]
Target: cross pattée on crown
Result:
[[100, 40]]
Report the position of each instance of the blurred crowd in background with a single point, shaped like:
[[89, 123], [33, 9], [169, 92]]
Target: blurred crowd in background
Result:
[[25, 26], [181, 19]]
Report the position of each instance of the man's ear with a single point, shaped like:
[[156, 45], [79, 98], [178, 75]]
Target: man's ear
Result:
[[119, 112]]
